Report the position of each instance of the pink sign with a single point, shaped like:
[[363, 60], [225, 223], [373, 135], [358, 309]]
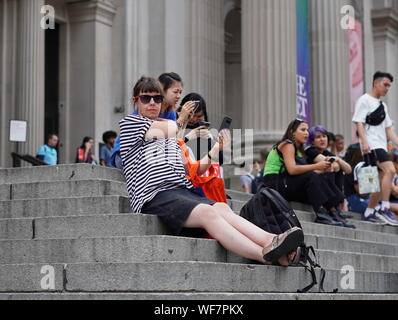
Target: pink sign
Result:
[[356, 69]]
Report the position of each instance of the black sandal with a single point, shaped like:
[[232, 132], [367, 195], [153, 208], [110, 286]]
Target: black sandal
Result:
[[292, 239]]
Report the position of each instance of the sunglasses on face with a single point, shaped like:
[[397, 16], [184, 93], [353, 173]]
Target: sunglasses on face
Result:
[[146, 99]]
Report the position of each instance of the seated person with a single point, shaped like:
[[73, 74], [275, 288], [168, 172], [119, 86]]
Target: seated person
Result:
[[157, 184], [288, 172], [48, 152], [109, 138], [318, 151], [172, 87]]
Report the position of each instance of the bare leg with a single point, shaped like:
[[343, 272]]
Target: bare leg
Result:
[[206, 217], [388, 172], [251, 231], [374, 200]]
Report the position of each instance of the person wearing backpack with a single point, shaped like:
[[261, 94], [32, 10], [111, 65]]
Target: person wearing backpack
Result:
[[375, 130], [288, 172]]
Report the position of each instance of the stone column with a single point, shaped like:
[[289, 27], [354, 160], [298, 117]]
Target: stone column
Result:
[[30, 73], [91, 71], [269, 67], [330, 68], [385, 36], [204, 47]]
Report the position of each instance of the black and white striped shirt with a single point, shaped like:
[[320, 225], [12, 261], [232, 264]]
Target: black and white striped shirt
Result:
[[150, 166]]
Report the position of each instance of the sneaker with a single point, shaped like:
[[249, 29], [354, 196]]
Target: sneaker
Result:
[[387, 216], [374, 218], [335, 215], [323, 217]]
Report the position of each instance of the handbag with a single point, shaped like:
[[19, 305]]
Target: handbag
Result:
[[368, 177], [377, 117]]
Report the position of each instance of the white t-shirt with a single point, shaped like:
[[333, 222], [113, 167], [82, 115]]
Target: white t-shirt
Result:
[[375, 135]]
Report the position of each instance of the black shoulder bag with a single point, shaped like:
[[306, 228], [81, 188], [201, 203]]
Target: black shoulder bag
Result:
[[377, 117]]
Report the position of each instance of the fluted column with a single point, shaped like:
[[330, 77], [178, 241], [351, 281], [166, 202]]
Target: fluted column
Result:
[[269, 65], [91, 24], [204, 42], [30, 73], [330, 67], [385, 37]]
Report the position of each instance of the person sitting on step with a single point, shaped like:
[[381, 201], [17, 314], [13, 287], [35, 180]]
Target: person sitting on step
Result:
[[157, 184], [288, 172]]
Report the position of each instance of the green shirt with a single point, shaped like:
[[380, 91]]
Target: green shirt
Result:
[[275, 163]]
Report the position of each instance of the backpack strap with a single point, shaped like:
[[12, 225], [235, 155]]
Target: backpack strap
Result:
[[282, 205], [306, 259]]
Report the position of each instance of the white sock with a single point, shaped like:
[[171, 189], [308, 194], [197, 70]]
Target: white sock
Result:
[[369, 212], [385, 205]]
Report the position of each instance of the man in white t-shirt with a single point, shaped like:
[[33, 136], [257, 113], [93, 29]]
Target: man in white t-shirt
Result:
[[374, 139]]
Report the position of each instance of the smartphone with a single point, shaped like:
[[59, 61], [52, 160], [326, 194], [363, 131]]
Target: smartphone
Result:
[[204, 124], [226, 124]]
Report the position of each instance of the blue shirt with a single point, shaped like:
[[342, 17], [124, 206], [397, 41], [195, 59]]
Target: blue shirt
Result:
[[48, 155], [105, 155], [171, 115]]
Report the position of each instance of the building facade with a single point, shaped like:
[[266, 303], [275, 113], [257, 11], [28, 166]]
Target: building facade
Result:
[[76, 79]]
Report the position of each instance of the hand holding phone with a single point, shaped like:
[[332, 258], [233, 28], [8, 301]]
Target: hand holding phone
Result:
[[226, 124]]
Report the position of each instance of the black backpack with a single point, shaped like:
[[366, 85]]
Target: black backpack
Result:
[[257, 184], [377, 117], [272, 213]]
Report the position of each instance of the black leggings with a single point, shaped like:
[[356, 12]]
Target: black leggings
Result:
[[311, 188]]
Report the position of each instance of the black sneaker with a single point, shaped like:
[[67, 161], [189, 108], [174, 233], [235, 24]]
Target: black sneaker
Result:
[[336, 216], [323, 217]]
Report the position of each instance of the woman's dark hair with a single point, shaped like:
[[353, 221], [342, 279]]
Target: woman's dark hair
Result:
[[289, 137], [147, 85], [202, 103], [168, 79], [85, 140]]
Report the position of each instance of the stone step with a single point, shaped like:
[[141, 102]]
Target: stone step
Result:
[[59, 189], [305, 214], [148, 296], [117, 225], [161, 248], [39, 208], [182, 277], [59, 173]]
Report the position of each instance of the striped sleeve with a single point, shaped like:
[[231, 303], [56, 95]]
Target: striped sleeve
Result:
[[132, 134]]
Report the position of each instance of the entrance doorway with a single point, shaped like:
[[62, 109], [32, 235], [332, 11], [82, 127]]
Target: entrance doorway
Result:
[[52, 41], [233, 65]]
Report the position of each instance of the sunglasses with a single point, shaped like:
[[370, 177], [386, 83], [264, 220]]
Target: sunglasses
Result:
[[146, 99]]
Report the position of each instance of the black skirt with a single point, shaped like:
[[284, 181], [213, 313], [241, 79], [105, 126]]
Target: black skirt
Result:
[[173, 207]]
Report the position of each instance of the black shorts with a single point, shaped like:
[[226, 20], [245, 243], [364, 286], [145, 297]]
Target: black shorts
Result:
[[173, 207], [377, 155]]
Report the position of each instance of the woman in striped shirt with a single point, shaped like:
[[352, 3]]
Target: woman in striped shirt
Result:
[[157, 184]]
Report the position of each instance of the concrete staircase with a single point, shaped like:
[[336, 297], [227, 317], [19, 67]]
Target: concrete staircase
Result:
[[66, 232]]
